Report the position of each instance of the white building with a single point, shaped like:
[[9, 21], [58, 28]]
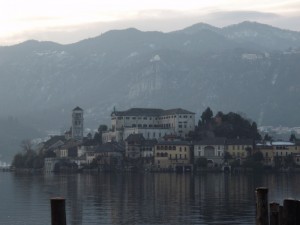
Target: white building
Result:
[[152, 123], [212, 149]]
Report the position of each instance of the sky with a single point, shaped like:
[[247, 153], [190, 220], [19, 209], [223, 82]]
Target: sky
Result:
[[69, 21]]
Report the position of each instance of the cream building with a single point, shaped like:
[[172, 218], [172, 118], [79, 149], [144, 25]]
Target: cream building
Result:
[[172, 155], [279, 150], [152, 123]]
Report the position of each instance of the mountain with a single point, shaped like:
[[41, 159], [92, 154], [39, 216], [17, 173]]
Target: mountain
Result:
[[248, 67]]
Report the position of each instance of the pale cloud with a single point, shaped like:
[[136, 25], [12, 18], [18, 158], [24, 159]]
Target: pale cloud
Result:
[[67, 21]]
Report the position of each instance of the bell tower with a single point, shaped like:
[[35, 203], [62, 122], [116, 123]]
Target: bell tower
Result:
[[77, 123]]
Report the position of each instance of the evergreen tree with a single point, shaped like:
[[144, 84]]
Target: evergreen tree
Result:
[[207, 115], [293, 138]]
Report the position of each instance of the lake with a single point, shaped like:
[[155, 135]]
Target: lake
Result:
[[132, 198]]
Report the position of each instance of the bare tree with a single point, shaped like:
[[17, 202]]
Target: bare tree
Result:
[[26, 145]]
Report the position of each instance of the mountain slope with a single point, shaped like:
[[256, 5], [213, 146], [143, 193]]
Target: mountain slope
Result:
[[248, 67]]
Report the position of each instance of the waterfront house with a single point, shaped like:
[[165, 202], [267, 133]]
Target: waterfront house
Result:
[[239, 149], [279, 153], [173, 155], [105, 156]]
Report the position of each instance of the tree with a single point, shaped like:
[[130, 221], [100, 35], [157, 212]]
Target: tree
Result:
[[98, 135], [258, 156], [207, 115], [293, 138], [202, 162], [254, 132], [227, 156], [267, 138], [26, 145], [102, 128]]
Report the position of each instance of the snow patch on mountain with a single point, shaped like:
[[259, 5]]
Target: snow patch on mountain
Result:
[[156, 58], [274, 79], [248, 56], [132, 54]]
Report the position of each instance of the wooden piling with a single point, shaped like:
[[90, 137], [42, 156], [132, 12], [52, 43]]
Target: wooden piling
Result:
[[274, 213], [291, 212], [281, 215], [58, 211], [262, 205]]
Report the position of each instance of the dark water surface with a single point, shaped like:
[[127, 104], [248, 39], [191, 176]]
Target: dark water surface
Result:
[[140, 198]]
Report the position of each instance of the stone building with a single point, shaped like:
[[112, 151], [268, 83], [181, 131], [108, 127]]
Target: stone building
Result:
[[77, 123]]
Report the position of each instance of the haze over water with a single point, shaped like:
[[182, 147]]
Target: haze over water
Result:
[[140, 198]]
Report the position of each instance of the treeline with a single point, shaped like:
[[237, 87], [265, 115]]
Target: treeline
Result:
[[29, 158], [231, 125]]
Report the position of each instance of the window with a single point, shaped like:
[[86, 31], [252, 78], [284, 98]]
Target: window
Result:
[[180, 126], [120, 117], [145, 118], [127, 118], [139, 125], [144, 125], [133, 118], [134, 125]]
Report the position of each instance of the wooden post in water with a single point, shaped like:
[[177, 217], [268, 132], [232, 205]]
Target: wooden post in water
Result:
[[291, 212], [58, 211], [274, 213], [281, 215], [262, 205]]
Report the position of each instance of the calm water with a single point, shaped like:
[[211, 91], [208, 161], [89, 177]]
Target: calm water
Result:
[[140, 198]]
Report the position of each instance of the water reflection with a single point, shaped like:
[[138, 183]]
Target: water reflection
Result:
[[140, 198]]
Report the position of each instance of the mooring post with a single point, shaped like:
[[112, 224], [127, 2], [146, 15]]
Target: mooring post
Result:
[[58, 211], [281, 215], [291, 212], [262, 205], [274, 213]]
